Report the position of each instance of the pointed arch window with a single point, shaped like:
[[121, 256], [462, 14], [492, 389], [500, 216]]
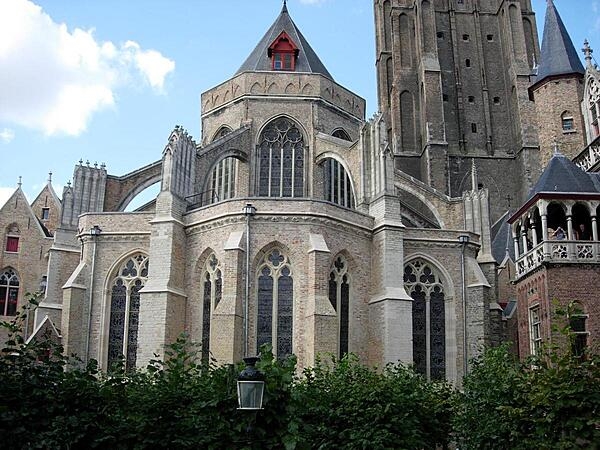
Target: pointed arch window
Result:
[[125, 309], [338, 188], [212, 293], [223, 180], [424, 286], [9, 292], [340, 133], [275, 303], [339, 296], [281, 160]]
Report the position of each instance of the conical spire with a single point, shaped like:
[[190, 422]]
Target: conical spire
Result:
[[307, 60], [558, 55]]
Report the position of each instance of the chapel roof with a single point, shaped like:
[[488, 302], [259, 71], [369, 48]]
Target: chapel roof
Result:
[[307, 60], [558, 55]]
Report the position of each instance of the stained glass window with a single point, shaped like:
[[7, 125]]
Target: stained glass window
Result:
[[339, 296], [423, 284], [281, 160], [9, 292], [275, 304], [124, 310], [338, 188], [223, 179], [212, 293]]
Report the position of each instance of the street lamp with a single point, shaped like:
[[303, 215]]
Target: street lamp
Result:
[[464, 240], [95, 231], [250, 386], [248, 210]]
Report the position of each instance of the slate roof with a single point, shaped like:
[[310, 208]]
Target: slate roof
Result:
[[558, 55], [502, 239], [307, 61], [563, 175]]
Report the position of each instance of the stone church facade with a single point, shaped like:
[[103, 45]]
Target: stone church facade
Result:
[[297, 222]]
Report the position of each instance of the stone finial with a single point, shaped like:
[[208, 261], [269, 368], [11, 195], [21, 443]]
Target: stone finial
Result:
[[87, 163], [20, 182], [69, 184], [95, 164], [587, 51], [474, 183], [81, 161], [49, 177], [103, 166]]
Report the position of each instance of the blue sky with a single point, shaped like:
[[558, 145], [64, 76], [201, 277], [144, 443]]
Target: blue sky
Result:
[[106, 81]]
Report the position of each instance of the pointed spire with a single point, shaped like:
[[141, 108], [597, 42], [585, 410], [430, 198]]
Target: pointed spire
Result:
[[306, 60], [558, 55], [587, 51]]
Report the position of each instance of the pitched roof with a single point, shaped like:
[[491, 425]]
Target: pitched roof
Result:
[[563, 175], [307, 61], [558, 55], [502, 243]]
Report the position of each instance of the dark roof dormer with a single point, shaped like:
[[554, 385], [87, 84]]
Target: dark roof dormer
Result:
[[305, 60], [283, 53]]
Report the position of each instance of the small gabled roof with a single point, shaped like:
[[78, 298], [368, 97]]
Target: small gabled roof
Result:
[[307, 60], [558, 55], [563, 175], [502, 243]]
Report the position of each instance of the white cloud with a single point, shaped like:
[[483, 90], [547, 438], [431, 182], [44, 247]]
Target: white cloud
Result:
[[54, 79], [7, 135], [5, 193]]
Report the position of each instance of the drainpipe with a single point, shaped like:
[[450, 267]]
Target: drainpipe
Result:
[[249, 210], [464, 240], [94, 233]]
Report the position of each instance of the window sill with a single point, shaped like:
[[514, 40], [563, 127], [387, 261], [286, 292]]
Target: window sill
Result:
[[569, 131]]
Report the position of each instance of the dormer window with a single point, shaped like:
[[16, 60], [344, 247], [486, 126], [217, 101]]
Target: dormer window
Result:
[[283, 53]]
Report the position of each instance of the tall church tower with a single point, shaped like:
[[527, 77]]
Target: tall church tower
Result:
[[558, 91], [452, 85]]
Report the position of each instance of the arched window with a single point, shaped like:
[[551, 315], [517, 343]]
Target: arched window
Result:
[[223, 179], [338, 188], [339, 296], [428, 319], [213, 291], [275, 303], [125, 310], [281, 160], [340, 133], [221, 132], [9, 292]]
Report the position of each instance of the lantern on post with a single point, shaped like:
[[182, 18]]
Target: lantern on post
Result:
[[250, 386]]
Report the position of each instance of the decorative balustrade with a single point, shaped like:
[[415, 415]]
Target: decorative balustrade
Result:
[[558, 252], [589, 158]]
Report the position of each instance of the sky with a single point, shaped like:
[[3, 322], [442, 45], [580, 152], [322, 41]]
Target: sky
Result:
[[107, 81]]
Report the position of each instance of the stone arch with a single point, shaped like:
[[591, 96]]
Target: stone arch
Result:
[[341, 133], [307, 89], [222, 131], [430, 207], [273, 88], [256, 88], [439, 266], [406, 40], [217, 190], [124, 189], [290, 88]]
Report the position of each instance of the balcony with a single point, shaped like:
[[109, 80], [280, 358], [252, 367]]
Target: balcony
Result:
[[562, 252], [589, 158]]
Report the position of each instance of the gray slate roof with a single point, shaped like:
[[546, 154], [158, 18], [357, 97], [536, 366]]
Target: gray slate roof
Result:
[[307, 61], [558, 55], [563, 175], [502, 239]]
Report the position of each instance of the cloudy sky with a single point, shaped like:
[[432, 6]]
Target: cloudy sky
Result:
[[106, 81]]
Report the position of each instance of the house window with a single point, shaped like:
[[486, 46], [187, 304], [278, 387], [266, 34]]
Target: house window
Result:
[[125, 309], [212, 294], [275, 305], [338, 188], [12, 244], [9, 292], [339, 296], [535, 330], [567, 122], [223, 180], [468, 62], [423, 284], [281, 160], [577, 323], [473, 128], [490, 37], [45, 213]]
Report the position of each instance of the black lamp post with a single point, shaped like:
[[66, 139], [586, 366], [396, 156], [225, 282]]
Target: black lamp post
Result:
[[464, 241], [250, 386]]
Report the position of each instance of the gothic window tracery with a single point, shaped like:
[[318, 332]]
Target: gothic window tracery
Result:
[[594, 106], [212, 294], [338, 187], [339, 296], [425, 287], [281, 160], [223, 180], [9, 292], [124, 310], [275, 305]]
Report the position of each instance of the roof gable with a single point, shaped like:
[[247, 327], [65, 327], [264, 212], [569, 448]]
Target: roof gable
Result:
[[19, 199]]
